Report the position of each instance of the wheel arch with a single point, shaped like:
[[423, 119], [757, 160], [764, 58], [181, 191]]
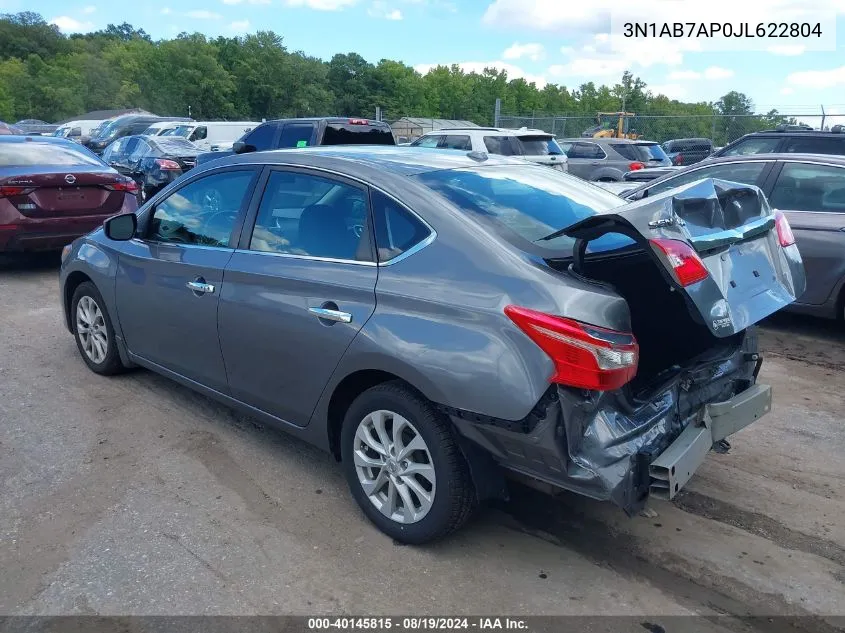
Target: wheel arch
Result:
[[73, 281]]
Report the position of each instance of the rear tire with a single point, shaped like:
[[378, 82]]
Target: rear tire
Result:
[[93, 330], [414, 495]]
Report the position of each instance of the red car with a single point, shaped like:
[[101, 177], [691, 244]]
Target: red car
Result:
[[53, 190]]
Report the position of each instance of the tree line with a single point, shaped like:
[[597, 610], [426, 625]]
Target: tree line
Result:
[[47, 75]]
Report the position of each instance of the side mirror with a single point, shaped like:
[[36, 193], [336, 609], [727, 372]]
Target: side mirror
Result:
[[239, 147], [121, 228]]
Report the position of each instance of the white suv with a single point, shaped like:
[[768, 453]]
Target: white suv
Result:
[[536, 146]]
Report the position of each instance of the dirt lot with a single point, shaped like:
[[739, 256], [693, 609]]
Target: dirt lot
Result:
[[133, 495]]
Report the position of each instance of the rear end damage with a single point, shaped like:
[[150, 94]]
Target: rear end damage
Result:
[[634, 410]]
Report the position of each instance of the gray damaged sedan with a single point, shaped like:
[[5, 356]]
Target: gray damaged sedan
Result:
[[439, 320]]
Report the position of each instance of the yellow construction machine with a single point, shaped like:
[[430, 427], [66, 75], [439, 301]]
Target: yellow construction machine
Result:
[[612, 125]]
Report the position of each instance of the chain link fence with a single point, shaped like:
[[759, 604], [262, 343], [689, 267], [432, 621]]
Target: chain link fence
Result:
[[720, 129]]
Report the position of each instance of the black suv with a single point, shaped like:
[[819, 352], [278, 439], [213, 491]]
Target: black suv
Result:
[[290, 133], [126, 125], [788, 140]]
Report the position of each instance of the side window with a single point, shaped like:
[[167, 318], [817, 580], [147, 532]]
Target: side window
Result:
[[397, 230], [815, 145], [427, 141], [627, 151], [296, 135], [140, 150], [762, 145], [302, 214], [262, 137], [199, 133], [454, 141], [585, 150], [130, 146], [202, 212], [747, 174], [502, 145], [805, 187]]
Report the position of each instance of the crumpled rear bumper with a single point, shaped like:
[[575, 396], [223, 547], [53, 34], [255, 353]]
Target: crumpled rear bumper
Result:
[[610, 446]]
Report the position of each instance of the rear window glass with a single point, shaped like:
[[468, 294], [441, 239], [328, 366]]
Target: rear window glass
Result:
[[35, 153], [540, 146], [655, 152], [631, 151], [357, 134], [526, 201]]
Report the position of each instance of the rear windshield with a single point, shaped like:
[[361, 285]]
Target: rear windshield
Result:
[[528, 203], [357, 134], [176, 145], [540, 146], [35, 153], [631, 151], [655, 152]]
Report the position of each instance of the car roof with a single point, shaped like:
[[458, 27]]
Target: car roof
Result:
[[590, 139], [492, 131], [802, 133], [19, 138], [397, 159]]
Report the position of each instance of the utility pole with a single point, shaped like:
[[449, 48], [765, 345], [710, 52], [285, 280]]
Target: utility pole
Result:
[[497, 112], [821, 127]]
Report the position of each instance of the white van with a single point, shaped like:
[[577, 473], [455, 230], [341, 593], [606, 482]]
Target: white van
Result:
[[213, 135], [77, 130]]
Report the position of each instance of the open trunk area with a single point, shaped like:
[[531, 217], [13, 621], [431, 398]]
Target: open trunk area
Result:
[[660, 318]]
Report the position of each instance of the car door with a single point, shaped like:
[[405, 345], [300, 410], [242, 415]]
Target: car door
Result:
[[121, 161], [812, 196], [298, 289], [579, 164], [170, 279]]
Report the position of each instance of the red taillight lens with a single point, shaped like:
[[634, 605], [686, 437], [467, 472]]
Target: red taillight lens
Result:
[[785, 236], [128, 185], [6, 192], [585, 356], [358, 122], [682, 259], [165, 164], [678, 160], [636, 165]]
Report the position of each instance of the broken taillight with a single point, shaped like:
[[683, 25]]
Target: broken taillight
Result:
[[684, 262], [785, 236], [584, 356], [127, 184]]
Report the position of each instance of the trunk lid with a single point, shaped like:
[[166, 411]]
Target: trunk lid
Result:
[[71, 191], [731, 229]]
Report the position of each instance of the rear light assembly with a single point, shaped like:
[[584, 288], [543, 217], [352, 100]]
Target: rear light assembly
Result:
[[128, 185], [684, 262], [584, 356], [678, 160], [785, 236], [9, 191], [165, 164], [636, 165]]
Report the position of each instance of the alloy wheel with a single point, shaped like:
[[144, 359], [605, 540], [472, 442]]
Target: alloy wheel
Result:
[[91, 329], [394, 466]]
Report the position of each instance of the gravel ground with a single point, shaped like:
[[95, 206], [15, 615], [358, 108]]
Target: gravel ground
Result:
[[134, 496]]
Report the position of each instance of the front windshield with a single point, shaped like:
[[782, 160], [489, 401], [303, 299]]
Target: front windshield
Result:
[[531, 202]]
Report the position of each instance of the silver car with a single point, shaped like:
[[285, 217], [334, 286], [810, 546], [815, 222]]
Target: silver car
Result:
[[438, 320], [609, 159]]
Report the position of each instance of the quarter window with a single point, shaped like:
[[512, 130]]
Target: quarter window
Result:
[[202, 212], [303, 214], [397, 230], [806, 187]]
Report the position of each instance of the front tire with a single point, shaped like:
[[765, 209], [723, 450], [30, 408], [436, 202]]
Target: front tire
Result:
[[403, 465], [93, 330]]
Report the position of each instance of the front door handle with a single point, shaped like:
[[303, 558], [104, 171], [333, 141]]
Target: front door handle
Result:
[[200, 287], [331, 315]]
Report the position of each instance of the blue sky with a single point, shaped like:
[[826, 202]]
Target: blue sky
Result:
[[556, 41]]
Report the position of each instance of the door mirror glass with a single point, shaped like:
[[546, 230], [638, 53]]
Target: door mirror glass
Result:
[[121, 227]]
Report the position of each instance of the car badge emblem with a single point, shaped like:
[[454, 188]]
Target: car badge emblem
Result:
[[70, 179]]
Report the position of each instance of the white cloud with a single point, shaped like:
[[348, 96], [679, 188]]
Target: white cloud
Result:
[[684, 75], [239, 26], [166, 11], [202, 14], [514, 72], [786, 91], [818, 78], [321, 5], [589, 67], [671, 90], [789, 50], [89, 10], [715, 73], [379, 9], [71, 25], [533, 52]]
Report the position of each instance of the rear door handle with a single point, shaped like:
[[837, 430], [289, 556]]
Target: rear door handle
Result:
[[331, 315], [200, 287]]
